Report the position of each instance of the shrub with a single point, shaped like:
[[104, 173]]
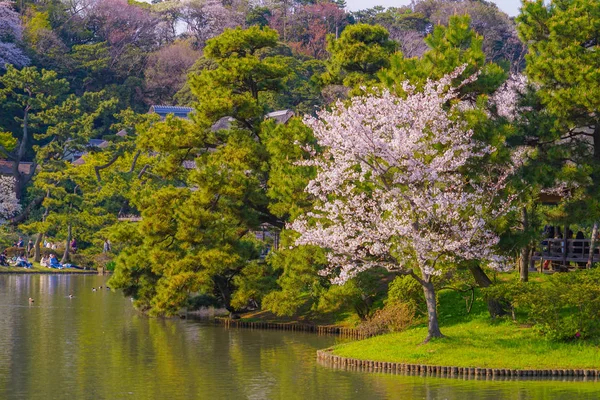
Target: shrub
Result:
[[361, 294], [203, 300], [15, 251], [82, 260], [110, 266], [7, 237], [405, 289], [58, 252], [565, 308], [102, 258], [394, 317]]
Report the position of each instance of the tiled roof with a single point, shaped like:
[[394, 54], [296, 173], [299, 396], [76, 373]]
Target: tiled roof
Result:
[[280, 116], [6, 167], [98, 143], [79, 161], [163, 111]]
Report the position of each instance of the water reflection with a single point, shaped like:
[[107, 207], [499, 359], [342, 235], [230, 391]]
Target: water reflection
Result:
[[95, 346]]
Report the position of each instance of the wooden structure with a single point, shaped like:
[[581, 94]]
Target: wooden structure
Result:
[[564, 251]]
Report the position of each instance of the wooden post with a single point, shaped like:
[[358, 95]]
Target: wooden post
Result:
[[590, 261]]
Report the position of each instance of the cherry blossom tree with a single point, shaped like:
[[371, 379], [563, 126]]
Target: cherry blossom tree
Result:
[[9, 204], [507, 97], [391, 191], [206, 19], [11, 33]]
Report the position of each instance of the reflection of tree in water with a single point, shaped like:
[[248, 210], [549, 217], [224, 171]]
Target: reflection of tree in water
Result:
[[95, 346]]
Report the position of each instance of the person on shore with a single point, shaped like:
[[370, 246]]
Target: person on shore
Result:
[[23, 262], [74, 245], [53, 246], [29, 246], [106, 247], [54, 263], [44, 262], [20, 243], [4, 259]]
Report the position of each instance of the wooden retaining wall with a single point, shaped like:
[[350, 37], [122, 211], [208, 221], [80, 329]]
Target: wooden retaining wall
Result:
[[349, 333], [327, 358]]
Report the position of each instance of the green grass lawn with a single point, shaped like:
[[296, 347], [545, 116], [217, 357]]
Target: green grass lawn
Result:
[[37, 268], [475, 340], [477, 343]]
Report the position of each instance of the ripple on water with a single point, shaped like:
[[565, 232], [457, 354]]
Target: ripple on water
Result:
[[95, 346]]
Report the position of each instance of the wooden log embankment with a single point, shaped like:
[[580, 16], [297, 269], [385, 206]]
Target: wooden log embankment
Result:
[[327, 358], [349, 333]]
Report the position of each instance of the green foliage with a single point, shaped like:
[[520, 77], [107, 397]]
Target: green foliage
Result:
[[563, 40], [234, 86], [449, 48], [558, 112], [287, 179], [301, 287], [30, 89], [406, 290], [203, 300], [358, 55], [566, 308], [359, 294], [7, 237], [30, 97], [299, 280], [35, 23], [252, 284], [258, 16], [110, 266]]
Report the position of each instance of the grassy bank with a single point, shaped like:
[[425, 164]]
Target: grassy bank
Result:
[[37, 268], [477, 343], [475, 340]]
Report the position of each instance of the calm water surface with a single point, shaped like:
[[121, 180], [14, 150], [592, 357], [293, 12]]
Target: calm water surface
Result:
[[95, 346]]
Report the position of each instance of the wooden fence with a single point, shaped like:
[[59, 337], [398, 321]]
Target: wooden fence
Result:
[[349, 333]]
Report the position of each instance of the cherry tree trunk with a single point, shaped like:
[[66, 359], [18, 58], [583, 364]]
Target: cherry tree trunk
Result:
[[433, 327]]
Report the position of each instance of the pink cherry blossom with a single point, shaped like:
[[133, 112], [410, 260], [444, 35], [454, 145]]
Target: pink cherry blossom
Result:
[[390, 189], [11, 32], [506, 98], [9, 204]]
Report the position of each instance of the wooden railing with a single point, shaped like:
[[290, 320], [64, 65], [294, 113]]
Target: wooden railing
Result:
[[575, 250]]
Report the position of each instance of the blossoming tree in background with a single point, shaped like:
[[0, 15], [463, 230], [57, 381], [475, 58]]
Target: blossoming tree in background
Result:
[[11, 32], [391, 191], [9, 204]]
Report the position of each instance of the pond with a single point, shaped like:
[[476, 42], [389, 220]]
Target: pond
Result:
[[96, 346]]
